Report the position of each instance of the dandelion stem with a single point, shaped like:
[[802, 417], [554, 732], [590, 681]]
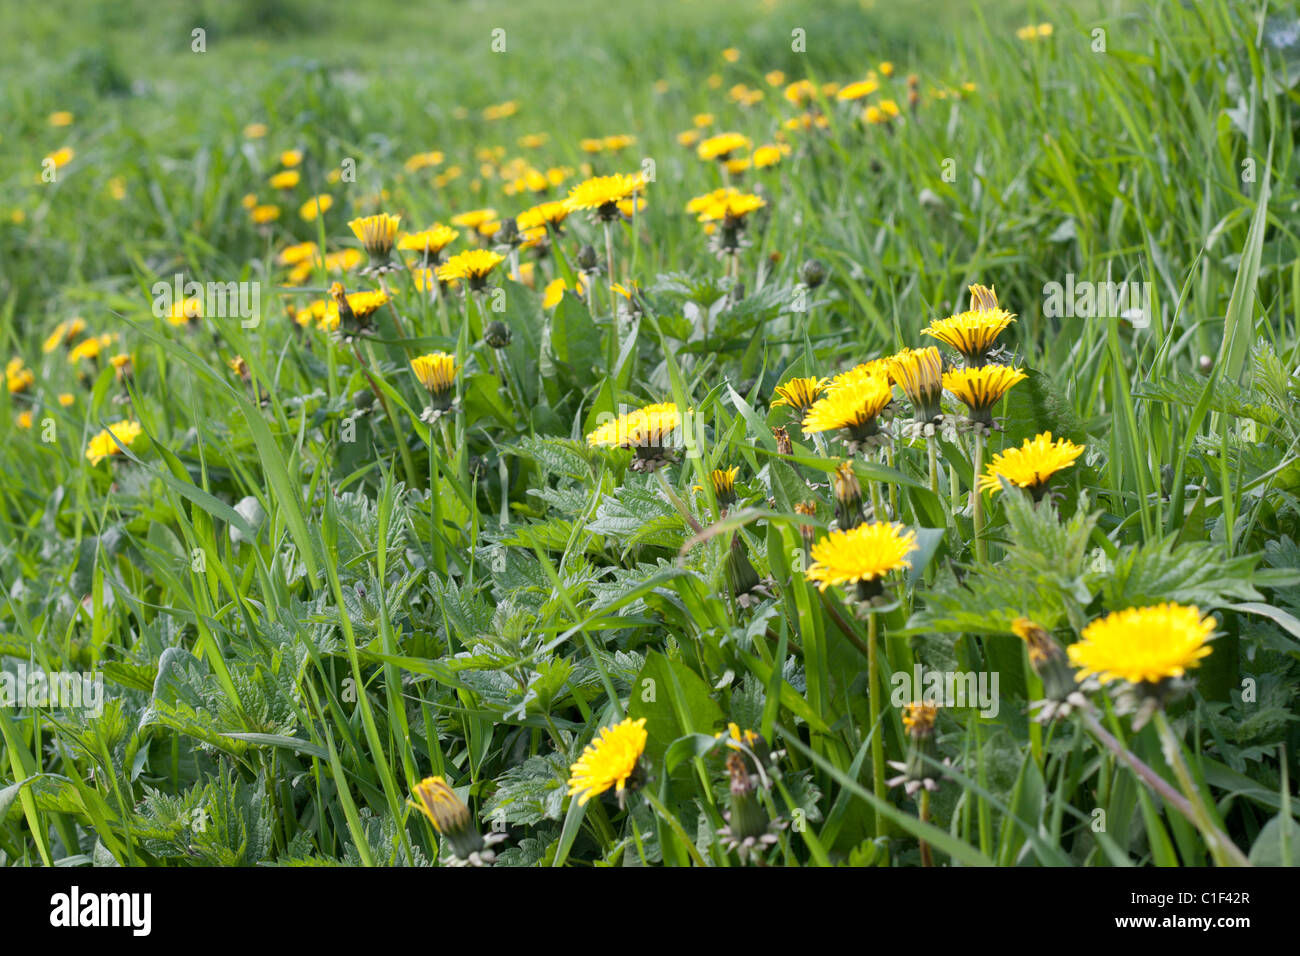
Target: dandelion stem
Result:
[[1224, 851], [926, 858], [932, 448], [613, 305], [893, 489], [877, 730], [977, 501], [1161, 786]]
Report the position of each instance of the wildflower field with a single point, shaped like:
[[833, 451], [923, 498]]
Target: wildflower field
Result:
[[761, 433]]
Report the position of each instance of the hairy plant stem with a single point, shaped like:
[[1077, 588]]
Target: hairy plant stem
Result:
[[977, 502], [926, 858], [613, 303], [932, 449], [1224, 851], [1158, 783], [873, 702]]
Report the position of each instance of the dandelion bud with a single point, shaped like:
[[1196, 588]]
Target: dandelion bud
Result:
[[918, 770], [808, 509], [508, 233], [452, 819], [362, 399], [1061, 692], [588, 261], [848, 497], [748, 818], [749, 829], [497, 334], [783, 444], [746, 586], [812, 273]]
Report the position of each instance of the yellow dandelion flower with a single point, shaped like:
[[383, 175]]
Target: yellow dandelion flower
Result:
[[255, 130], [60, 157], [1144, 644], [356, 305], [628, 207], [345, 260], [766, 156], [429, 241], [611, 760], [547, 215], [919, 718], [857, 91], [647, 431], [732, 207], [184, 312], [863, 554], [979, 389], [473, 266], [264, 213], [291, 158], [972, 333], [474, 218], [376, 234], [602, 194], [555, 290], [800, 92], [18, 378], [66, 399], [800, 393], [731, 54], [316, 206], [24, 420], [723, 481], [876, 368], [437, 373], [286, 179], [63, 334], [852, 407], [297, 254], [61, 118], [722, 147], [774, 77], [919, 373], [1032, 464], [104, 445]]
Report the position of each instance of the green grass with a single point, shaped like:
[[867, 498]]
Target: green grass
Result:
[[305, 598]]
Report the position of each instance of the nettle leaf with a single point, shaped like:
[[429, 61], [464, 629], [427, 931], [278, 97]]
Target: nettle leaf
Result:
[[562, 457], [1192, 573], [988, 602], [636, 514], [537, 850], [531, 792], [1228, 398], [569, 501], [553, 535]]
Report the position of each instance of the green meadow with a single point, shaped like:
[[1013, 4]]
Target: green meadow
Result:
[[649, 434]]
